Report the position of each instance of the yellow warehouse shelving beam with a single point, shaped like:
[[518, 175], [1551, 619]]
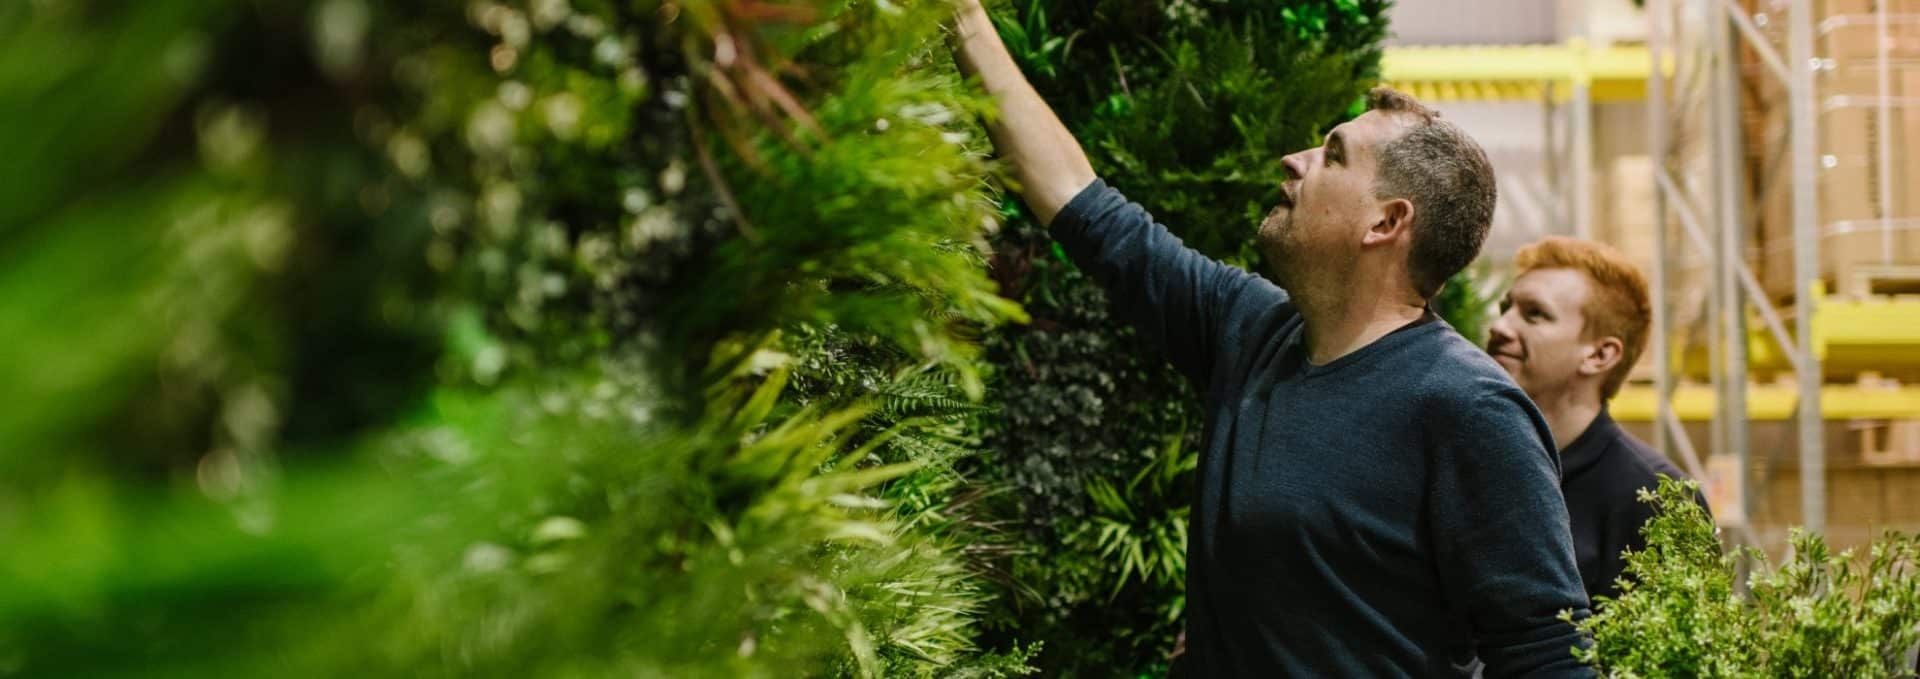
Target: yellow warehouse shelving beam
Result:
[[1850, 335], [1695, 403], [1516, 72], [1868, 323]]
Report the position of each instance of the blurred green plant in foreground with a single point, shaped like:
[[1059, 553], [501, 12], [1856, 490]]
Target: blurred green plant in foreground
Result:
[[543, 338]]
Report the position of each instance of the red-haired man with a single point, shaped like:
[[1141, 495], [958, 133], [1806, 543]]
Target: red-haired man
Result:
[[1569, 331]]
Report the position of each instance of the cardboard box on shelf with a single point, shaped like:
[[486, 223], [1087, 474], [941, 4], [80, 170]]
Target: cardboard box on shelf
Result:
[[1725, 494], [1603, 21], [1848, 172], [1902, 486], [1774, 248], [1852, 81], [1845, 248], [1887, 442], [1850, 202], [1850, 191], [1828, 8], [1857, 36], [1861, 78], [1855, 497], [1847, 245], [1850, 127], [1907, 159], [1628, 224]]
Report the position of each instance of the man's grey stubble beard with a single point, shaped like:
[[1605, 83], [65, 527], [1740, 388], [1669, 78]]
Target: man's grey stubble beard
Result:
[[1276, 242]]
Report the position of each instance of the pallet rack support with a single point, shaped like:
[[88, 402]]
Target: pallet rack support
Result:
[[1733, 288], [1806, 263]]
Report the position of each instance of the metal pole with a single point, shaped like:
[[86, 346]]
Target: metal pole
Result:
[[1806, 262], [1714, 56], [1717, 256], [1883, 133], [1581, 110], [1550, 113], [1733, 221], [1755, 39], [1657, 13], [1717, 145]]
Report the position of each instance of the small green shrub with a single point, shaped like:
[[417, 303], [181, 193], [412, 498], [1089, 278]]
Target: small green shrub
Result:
[[1681, 612]]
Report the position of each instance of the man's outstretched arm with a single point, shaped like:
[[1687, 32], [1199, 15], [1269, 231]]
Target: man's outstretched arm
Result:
[[1047, 161], [1177, 298]]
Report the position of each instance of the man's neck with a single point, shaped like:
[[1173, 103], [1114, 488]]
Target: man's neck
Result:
[[1570, 414], [1339, 327]]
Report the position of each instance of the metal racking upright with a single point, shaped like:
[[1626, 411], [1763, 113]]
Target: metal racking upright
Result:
[[1697, 42]]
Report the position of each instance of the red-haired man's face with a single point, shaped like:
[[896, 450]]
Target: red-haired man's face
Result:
[[1539, 337]]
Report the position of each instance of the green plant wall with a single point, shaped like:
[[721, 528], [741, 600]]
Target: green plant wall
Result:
[[567, 337], [490, 338]]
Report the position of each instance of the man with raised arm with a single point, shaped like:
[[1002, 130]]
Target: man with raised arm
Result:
[[1375, 497]]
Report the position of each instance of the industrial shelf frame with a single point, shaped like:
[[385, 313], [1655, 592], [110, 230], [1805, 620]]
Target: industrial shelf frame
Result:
[[1565, 79], [1733, 288], [1693, 75]]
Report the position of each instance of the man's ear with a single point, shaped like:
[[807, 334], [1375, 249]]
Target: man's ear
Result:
[[1605, 354], [1396, 221]]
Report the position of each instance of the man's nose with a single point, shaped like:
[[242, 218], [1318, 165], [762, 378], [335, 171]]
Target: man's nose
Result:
[[1501, 330], [1296, 163]]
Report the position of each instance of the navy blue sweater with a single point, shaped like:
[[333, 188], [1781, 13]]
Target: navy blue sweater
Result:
[[1391, 513]]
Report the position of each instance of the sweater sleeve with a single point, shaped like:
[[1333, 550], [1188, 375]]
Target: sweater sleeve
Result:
[[1178, 299], [1501, 538]]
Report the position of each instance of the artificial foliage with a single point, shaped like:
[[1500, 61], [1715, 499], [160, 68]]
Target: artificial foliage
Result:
[[576, 338], [1469, 302], [536, 338], [1684, 612], [1187, 106]]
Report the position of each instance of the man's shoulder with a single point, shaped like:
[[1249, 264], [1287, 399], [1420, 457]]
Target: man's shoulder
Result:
[[1461, 392], [1453, 372]]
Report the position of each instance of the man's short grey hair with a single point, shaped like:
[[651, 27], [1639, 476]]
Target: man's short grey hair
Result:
[[1447, 177]]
